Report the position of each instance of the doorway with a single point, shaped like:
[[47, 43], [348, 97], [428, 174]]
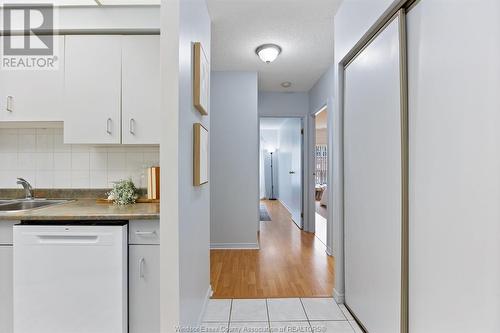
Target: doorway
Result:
[[289, 261], [321, 174], [281, 156]]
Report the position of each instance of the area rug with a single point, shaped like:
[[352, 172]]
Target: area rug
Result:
[[264, 214]]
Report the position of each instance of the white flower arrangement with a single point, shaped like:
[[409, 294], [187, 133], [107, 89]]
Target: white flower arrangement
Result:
[[124, 192]]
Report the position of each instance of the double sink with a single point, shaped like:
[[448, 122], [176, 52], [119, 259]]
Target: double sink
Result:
[[19, 205]]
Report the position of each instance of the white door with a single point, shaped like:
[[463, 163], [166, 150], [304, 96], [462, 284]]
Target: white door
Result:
[[372, 183], [290, 167], [6, 289], [454, 113], [33, 95], [144, 288], [92, 95], [141, 90]]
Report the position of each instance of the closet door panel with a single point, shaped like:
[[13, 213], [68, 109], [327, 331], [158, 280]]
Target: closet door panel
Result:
[[454, 109], [372, 183]]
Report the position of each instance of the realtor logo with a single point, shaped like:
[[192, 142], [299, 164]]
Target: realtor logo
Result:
[[28, 41]]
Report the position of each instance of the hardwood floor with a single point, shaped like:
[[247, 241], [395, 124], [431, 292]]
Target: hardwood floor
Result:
[[290, 263]]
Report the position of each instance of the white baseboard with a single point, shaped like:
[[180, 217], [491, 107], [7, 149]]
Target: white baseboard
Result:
[[205, 304], [329, 251], [286, 207], [234, 246], [338, 297], [291, 214]]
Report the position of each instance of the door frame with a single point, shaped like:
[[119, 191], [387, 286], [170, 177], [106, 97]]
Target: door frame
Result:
[[328, 107], [397, 8], [305, 223]]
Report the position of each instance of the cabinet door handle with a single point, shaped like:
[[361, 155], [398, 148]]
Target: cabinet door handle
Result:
[[141, 268], [131, 126], [108, 126], [9, 103], [145, 233]]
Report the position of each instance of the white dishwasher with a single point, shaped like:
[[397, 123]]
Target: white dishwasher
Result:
[[70, 277]]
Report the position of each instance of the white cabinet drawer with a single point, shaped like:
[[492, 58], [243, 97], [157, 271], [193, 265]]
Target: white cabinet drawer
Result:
[[144, 232], [6, 232]]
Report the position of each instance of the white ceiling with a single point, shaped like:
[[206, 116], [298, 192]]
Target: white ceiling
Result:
[[303, 28]]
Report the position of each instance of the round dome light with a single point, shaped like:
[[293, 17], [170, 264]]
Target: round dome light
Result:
[[268, 52]]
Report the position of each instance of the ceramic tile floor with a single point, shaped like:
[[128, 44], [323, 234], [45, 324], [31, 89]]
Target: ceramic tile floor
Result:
[[278, 315]]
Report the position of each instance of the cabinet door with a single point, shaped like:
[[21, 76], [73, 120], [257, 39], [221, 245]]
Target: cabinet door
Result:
[[92, 94], [34, 95], [141, 89], [6, 289], [144, 289]]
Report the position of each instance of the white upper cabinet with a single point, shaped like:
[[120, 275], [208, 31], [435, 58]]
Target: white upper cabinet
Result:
[[92, 94], [33, 95], [140, 89]]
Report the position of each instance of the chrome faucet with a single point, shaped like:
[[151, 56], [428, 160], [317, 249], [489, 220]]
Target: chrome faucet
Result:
[[27, 187]]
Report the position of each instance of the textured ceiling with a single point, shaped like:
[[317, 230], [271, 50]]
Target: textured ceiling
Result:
[[303, 28]]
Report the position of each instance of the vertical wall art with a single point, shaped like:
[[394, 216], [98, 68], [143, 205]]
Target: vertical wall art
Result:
[[201, 80], [200, 167]]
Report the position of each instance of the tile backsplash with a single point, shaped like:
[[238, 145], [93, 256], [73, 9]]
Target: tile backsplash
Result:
[[40, 156]]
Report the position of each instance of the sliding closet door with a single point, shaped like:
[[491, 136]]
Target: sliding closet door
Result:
[[372, 183], [454, 107]]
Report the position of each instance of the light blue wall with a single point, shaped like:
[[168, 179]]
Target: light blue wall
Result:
[[322, 91], [234, 164], [184, 208], [269, 138], [278, 104]]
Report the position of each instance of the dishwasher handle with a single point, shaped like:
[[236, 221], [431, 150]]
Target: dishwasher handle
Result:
[[67, 239]]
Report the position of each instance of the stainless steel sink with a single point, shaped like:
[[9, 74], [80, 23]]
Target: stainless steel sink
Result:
[[21, 205]]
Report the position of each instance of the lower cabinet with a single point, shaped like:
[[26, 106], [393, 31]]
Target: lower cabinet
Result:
[[6, 277], [144, 288], [143, 276], [6, 288]]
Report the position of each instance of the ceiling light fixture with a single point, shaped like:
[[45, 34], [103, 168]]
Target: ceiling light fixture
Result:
[[268, 52], [286, 84]]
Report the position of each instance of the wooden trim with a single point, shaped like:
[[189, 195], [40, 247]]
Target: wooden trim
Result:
[[197, 54], [197, 128]]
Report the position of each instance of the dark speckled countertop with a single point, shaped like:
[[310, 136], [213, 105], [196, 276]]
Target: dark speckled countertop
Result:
[[87, 209]]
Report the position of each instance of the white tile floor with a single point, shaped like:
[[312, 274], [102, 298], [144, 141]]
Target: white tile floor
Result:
[[278, 315]]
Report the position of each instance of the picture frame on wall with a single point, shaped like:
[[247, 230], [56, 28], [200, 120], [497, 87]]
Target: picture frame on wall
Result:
[[200, 160], [201, 79]]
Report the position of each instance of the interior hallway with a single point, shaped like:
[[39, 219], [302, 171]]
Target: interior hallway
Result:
[[290, 263]]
